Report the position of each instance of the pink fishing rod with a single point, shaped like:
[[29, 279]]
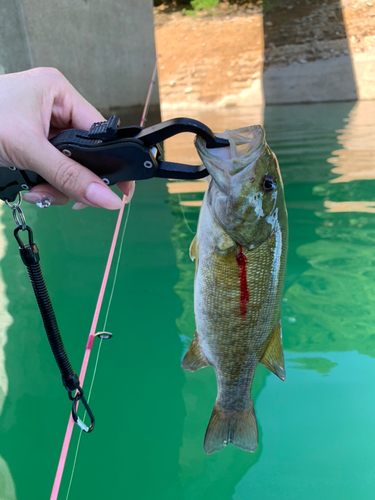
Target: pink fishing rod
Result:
[[91, 337]]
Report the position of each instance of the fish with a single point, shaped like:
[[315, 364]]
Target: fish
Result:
[[240, 253]]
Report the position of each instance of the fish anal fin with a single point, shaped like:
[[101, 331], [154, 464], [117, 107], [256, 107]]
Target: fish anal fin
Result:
[[273, 358], [238, 427], [194, 359]]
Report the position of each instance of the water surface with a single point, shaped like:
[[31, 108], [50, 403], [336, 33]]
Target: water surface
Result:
[[317, 436]]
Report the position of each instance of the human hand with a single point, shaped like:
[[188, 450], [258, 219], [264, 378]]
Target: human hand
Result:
[[36, 105]]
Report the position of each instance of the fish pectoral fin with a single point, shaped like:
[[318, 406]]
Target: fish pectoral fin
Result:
[[193, 250], [238, 427], [194, 359], [273, 358], [225, 245]]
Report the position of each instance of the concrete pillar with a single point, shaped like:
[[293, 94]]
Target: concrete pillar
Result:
[[105, 48]]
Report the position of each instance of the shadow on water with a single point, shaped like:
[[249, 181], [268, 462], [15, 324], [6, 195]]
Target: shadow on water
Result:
[[313, 36], [226, 468]]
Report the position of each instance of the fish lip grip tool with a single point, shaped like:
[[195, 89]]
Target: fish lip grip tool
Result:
[[118, 153]]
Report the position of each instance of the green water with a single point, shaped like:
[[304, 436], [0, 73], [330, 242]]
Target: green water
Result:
[[317, 433]]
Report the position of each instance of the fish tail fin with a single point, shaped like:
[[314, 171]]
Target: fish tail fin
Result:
[[194, 358], [238, 427]]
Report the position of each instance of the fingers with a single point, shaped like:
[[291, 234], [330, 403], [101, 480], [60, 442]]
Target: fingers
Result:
[[69, 178], [56, 197], [71, 110], [79, 206], [46, 192], [64, 106], [43, 103], [127, 188]]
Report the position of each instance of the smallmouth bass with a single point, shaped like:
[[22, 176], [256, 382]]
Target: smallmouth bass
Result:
[[240, 251]]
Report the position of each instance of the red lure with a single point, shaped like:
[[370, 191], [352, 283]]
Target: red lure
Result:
[[244, 297]]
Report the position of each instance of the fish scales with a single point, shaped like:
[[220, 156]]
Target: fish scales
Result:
[[240, 252]]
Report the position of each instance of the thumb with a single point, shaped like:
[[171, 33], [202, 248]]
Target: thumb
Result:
[[69, 177]]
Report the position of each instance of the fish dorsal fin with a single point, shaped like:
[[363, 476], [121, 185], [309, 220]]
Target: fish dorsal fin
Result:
[[193, 251], [194, 358], [273, 358]]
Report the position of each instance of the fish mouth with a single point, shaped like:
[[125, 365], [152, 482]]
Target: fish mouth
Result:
[[245, 146], [232, 198]]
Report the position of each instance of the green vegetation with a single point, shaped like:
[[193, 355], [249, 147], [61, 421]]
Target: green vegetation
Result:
[[204, 4], [269, 4], [200, 5]]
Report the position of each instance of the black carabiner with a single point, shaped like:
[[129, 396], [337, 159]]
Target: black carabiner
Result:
[[80, 397], [162, 131], [19, 241]]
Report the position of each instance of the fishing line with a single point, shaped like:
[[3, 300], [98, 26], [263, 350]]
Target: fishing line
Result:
[[91, 337], [100, 345], [80, 434], [116, 269], [148, 98], [90, 342], [184, 216]]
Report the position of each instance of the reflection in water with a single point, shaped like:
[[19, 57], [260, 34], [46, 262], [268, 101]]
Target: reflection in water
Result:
[[328, 317], [335, 296], [191, 203], [356, 159], [214, 476], [319, 441], [200, 390], [332, 298], [333, 455], [184, 229], [7, 490], [187, 187], [320, 365], [302, 143], [350, 206]]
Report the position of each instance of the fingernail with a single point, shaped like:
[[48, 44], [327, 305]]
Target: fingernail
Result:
[[102, 196], [79, 206], [35, 197], [131, 192]]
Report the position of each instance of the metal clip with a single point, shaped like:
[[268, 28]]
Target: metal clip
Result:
[[17, 213], [80, 397], [20, 242], [104, 335]]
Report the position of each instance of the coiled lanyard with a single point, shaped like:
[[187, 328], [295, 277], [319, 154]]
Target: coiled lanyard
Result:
[[30, 257]]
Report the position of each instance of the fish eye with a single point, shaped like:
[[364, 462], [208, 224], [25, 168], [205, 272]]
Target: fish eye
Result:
[[269, 183]]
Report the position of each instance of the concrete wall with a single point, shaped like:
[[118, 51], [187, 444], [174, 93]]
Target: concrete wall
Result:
[[105, 48]]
